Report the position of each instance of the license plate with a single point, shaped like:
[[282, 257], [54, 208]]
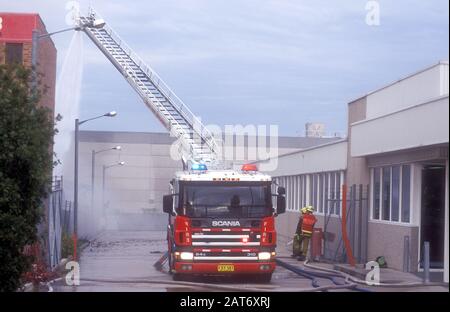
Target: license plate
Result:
[[225, 268]]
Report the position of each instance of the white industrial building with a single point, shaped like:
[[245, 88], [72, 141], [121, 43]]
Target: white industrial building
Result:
[[394, 164]]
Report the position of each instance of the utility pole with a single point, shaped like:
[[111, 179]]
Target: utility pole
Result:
[[103, 190], [92, 189], [75, 192], [34, 57]]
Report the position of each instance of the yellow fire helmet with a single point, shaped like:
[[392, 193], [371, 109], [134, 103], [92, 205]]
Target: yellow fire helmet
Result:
[[304, 209], [310, 209]]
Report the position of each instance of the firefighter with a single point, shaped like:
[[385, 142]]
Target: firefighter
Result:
[[304, 231], [296, 241], [235, 206]]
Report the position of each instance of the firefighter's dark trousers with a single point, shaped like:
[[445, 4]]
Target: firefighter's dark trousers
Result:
[[296, 246], [300, 244]]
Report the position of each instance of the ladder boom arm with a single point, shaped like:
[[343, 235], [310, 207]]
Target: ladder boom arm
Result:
[[197, 142]]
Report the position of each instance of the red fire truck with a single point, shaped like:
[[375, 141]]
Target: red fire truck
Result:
[[222, 222]]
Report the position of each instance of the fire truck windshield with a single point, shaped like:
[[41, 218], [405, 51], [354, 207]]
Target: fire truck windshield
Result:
[[233, 200]]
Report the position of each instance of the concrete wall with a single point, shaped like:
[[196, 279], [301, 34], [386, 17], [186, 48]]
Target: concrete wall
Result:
[[388, 133], [409, 156], [387, 240], [427, 84], [136, 187], [323, 158], [357, 170]]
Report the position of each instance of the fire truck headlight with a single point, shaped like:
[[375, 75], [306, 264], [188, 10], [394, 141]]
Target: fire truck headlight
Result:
[[186, 256], [264, 256]]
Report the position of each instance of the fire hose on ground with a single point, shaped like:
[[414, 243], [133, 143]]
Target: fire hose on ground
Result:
[[362, 282], [313, 276], [310, 275], [350, 282], [159, 264], [202, 285]]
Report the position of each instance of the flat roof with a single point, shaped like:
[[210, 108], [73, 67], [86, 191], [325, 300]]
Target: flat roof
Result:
[[165, 138], [304, 150], [19, 27]]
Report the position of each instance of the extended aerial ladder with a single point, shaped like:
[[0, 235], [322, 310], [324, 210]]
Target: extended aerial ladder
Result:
[[195, 142]]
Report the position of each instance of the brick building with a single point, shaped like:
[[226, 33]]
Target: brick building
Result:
[[16, 46]]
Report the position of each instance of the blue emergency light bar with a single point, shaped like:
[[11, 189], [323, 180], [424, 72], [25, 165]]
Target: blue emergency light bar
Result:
[[199, 167]]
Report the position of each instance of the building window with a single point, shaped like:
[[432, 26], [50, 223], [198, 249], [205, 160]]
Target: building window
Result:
[[321, 193], [299, 190], [332, 192], [296, 193], [391, 193], [292, 189], [14, 53], [395, 193], [303, 190], [326, 193], [376, 193], [338, 194], [299, 195], [288, 192], [320, 190], [315, 191], [406, 185], [386, 193]]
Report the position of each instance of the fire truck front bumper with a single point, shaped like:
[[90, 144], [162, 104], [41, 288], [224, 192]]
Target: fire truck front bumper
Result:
[[224, 268]]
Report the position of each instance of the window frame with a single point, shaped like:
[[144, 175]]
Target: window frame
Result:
[[401, 208], [15, 44]]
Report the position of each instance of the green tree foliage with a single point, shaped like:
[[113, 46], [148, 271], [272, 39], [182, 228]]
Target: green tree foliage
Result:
[[26, 137]]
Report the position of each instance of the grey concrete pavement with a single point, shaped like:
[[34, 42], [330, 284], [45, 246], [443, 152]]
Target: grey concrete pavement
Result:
[[120, 255], [130, 255], [122, 261]]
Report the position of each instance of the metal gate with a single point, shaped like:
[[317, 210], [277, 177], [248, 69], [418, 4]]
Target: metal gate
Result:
[[357, 217], [54, 222]]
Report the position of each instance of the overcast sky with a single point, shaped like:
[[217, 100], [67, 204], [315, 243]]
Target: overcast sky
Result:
[[284, 62]]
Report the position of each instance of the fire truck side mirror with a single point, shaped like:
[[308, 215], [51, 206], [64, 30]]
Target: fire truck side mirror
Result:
[[168, 204], [281, 204]]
